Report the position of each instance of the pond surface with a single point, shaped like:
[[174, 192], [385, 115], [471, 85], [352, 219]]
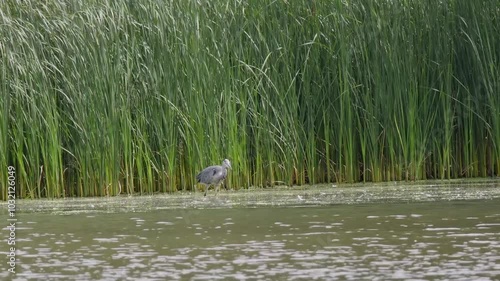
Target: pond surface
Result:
[[427, 241]]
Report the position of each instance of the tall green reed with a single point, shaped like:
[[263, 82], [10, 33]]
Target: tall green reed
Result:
[[120, 97]]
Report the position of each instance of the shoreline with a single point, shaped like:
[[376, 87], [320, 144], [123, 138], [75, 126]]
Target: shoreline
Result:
[[297, 196]]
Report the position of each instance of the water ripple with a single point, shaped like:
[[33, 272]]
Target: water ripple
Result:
[[373, 242]]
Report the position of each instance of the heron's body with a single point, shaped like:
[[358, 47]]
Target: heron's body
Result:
[[213, 175]]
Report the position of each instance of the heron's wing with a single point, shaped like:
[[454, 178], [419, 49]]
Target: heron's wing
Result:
[[201, 175], [207, 174], [218, 170], [220, 174]]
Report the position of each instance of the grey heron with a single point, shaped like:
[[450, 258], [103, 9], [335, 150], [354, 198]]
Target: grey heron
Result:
[[213, 175]]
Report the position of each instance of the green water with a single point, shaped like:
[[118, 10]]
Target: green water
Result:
[[430, 241]]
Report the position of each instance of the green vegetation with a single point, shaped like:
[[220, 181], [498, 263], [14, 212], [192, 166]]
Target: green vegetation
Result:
[[107, 97]]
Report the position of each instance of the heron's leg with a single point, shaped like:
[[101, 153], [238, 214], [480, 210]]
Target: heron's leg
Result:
[[206, 189], [217, 189]]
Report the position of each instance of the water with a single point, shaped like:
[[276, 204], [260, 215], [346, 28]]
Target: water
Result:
[[420, 241]]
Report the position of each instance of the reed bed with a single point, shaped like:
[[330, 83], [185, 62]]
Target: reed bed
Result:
[[134, 97]]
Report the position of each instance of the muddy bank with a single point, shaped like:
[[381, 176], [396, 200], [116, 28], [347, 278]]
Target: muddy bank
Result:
[[317, 195]]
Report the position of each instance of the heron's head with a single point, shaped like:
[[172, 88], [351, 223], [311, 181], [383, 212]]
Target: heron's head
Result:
[[226, 163]]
